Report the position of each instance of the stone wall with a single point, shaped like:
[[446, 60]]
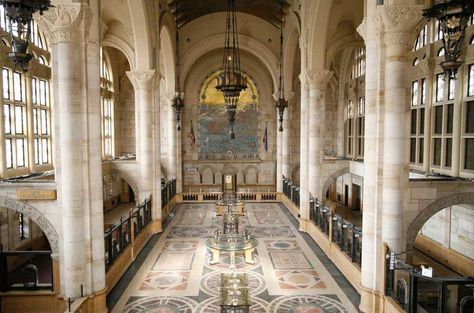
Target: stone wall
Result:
[[453, 227]]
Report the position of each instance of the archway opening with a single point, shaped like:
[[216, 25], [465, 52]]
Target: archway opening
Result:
[[445, 242], [25, 254]]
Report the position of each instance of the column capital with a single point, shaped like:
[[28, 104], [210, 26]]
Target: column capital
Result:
[[398, 25], [142, 79], [68, 22], [318, 78], [362, 29]]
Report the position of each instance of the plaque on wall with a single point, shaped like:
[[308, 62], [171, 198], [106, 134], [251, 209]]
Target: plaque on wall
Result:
[[36, 194]]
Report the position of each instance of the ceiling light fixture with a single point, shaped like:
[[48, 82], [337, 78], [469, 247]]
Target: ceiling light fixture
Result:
[[231, 80], [178, 100], [281, 103], [453, 16], [20, 16]]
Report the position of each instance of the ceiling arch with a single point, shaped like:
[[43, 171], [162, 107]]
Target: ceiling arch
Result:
[[188, 10]]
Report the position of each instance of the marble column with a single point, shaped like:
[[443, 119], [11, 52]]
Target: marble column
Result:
[[398, 35], [317, 81], [73, 35], [279, 152], [172, 138], [3, 168], [143, 82], [303, 183], [388, 32]]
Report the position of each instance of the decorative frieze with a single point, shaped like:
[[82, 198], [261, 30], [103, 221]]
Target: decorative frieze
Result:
[[318, 78], [65, 23], [397, 24], [142, 79]]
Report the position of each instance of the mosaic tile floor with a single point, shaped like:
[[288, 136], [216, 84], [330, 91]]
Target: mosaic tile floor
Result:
[[287, 276]]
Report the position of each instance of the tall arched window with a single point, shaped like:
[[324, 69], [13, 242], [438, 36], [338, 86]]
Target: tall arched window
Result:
[[355, 107], [107, 100], [26, 118], [442, 110]]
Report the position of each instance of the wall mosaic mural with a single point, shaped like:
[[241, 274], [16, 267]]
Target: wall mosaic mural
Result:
[[213, 140]]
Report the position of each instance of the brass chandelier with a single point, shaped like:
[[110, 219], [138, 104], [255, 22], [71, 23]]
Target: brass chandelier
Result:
[[453, 16], [20, 15], [231, 80], [281, 104], [178, 100]]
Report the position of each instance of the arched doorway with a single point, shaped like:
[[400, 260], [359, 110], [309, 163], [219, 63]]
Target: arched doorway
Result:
[[29, 248]]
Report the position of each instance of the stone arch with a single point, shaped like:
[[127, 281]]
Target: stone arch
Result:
[[332, 178], [229, 170], [168, 57], [36, 216], [129, 180], [432, 209], [245, 172], [202, 171]]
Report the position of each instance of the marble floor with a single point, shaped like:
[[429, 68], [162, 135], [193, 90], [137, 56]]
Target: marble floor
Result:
[[288, 276]]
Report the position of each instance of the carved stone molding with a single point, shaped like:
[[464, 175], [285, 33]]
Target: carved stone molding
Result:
[[362, 29], [397, 24], [37, 217], [432, 209], [424, 69], [318, 78], [142, 79], [65, 23]]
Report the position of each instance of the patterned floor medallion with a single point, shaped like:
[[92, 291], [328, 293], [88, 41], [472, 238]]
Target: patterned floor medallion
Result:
[[211, 305], [210, 283], [306, 280], [273, 231], [181, 246], [281, 245], [289, 260], [306, 304], [161, 305], [165, 281], [190, 232]]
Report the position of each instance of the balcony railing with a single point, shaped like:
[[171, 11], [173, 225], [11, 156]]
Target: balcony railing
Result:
[[26, 270], [344, 234], [291, 191], [119, 236], [168, 191], [416, 292]]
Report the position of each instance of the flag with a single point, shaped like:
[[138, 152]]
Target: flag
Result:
[[192, 138], [265, 138]]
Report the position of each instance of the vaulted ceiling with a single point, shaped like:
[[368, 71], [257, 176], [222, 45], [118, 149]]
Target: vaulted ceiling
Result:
[[188, 10]]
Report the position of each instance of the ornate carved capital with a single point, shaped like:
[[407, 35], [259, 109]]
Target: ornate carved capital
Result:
[[362, 29], [318, 78], [397, 24], [68, 22], [142, 79]]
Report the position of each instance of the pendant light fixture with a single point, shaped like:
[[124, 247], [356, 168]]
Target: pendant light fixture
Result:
[[20, 15], [178, 100], [281, 103], [453, 16], [231, 80]]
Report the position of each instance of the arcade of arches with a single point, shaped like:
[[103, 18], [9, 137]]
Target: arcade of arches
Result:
[[105, 203]]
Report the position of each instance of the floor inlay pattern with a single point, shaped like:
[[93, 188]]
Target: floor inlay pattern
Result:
[[287, 275]]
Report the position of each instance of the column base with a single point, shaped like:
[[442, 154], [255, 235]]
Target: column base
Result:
[[374, 301], [156, 226], [303, 225]]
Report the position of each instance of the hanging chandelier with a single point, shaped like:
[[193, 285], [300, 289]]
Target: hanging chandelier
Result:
[[453, 16], [281, 103], [178, 100], [19, 14], [231, 80]]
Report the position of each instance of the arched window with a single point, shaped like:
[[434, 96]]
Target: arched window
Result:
[[440, 52], [358, 65], [107, 100], [355, 107], [26, 110], [422, 38], [415, 62]]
